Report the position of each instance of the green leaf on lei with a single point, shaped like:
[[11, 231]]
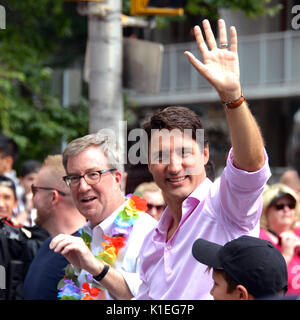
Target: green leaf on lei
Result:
[[71, 273], [61, 283], [68, 298], [104, 258], [124, 215], [86, 238]]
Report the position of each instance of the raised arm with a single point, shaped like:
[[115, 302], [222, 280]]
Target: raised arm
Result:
[[220, 67]]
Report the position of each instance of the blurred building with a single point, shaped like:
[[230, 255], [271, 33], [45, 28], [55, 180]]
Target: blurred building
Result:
[[269, 50]]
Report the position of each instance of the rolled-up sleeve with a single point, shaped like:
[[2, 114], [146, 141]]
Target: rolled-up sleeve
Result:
[[133, 281], [240, 194]]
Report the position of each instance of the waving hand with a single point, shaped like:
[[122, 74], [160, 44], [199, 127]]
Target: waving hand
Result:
[[220, 66]]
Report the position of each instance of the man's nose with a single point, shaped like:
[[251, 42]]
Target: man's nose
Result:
[[2, 202], [153, 210], [83, 185], [175, 164]]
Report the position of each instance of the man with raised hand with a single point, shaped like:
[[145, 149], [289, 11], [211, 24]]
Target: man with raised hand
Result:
[[197, 207]]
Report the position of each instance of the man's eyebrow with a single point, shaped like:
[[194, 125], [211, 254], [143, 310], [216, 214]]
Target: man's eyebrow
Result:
[[86, 171]]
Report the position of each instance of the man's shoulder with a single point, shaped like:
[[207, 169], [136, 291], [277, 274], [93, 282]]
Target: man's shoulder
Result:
[[145, 223], [44, 249], [146, 217]]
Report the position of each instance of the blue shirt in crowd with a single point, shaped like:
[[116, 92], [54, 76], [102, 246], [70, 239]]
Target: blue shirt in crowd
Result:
[[44, 273]]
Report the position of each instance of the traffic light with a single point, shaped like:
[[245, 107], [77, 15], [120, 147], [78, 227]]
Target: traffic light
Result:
[[157, 7]]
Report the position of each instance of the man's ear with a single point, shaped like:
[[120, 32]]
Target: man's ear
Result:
[[118, 177], [54, 196], [206, 154]]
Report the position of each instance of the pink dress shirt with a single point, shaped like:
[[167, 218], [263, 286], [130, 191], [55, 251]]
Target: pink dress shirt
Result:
[[218, 212]]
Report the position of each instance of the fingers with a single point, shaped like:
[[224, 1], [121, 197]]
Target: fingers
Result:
[[195, 62], [63, 243], [233, 40], [200, 41], [210, 38], [289, 239], [222, 32], [223, 35]]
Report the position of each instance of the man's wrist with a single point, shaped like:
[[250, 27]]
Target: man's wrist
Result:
[[95, 266], [230, 95], [232, 104], [98, 277]]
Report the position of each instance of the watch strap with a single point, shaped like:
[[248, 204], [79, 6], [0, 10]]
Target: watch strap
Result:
[[102, 274], [234, 103]]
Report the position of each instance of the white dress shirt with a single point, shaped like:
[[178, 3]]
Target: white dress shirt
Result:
[[127, 261]]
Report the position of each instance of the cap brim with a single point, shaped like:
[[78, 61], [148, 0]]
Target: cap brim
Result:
[[207, 253]]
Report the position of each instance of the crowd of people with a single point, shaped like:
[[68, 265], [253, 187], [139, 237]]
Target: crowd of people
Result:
[[69, 232]]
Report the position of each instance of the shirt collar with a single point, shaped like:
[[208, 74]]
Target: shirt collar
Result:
[[190, 203], [106, 224], [200, 193]]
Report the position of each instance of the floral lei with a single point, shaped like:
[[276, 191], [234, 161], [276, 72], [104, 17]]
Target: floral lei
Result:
[[69, 287]]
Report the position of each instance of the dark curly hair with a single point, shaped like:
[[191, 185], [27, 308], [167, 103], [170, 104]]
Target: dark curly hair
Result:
[[175, 117]]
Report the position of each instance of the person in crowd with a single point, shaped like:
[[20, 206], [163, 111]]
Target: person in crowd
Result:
[[107, 253], [291, 178], [9, 153], [210, 170], [57, 214], [27, 176], [197, 207], [153, 195], [8, 197], [18, 244], [245, 268], [281, 212]]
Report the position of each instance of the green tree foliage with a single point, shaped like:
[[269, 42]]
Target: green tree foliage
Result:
[[209, 8], [251, 8], [30, 47], [45, 34]]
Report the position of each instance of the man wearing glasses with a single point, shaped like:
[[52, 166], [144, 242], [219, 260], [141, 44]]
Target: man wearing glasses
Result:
[[57, 214], [112, 234]]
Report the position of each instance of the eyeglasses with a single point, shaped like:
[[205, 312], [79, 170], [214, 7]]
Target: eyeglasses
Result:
[[34, 190], [282, 205], [90, 178], [158, 208]]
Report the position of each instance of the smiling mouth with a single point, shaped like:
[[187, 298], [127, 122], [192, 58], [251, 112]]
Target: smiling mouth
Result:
[[176, 180], [88, 199]]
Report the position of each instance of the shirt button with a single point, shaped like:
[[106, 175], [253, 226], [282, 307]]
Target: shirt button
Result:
[[169, 247]]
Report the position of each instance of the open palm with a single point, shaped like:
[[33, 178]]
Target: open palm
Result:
[[220, 66]]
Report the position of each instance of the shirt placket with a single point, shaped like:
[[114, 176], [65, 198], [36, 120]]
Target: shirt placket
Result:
[[187, 207], [168, 259]]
